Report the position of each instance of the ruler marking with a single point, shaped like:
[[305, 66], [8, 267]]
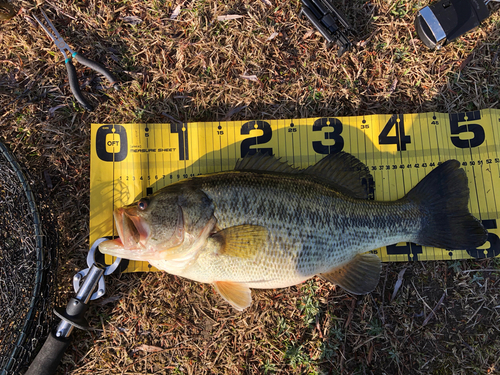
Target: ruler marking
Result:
[[493, 127], [351, 149], [405, 124], [464, 167], [441, 134], [464, 159], [170, 163], [480, 164], [388, 176], [401, 153], [431, 147], [365, 136], [220, 141], [299, 164], [113, 165], [443, 125], [277, 153], [235, 137], [418, 153], [286, 149], [185, 140], [162, 166], [438, 148], [153, 171], [439, 140], [206, 149], [495, 141], [307, 140], [431, 249], [474, 176], [145, 183], [382, 174]]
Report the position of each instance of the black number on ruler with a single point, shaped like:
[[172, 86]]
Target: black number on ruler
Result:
[[337, 126], [369, 185], [400, 139], [182, 131], [407, 249], [264, 138], [103, 143], [475, 129], [493, 239]]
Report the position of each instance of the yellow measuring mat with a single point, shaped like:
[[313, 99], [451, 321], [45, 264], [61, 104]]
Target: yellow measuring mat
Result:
[[129, 161]]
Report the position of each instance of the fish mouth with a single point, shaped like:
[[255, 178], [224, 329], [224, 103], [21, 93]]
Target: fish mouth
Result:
[[132, 229], [133, 232]]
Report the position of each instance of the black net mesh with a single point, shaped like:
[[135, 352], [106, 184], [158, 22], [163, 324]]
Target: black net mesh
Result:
[[27, 265]]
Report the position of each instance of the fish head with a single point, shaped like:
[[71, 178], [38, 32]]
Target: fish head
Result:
[[162, 226]]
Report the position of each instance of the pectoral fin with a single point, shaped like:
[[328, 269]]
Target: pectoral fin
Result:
[[242, 241], [238, 295], [360, 276]]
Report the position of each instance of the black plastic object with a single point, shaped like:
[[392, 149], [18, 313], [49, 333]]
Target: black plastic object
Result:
[[50, 355], [446, 20], [73, 79], [75, 86], [73, 313], [326, 18], [98, 68], [47, 360]]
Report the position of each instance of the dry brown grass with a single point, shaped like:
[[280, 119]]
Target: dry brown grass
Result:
[[444, 319]]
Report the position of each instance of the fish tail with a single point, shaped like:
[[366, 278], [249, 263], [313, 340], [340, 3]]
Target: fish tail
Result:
[[443, 196]]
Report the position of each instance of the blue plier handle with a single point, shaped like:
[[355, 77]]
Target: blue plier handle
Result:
[[73, 80]]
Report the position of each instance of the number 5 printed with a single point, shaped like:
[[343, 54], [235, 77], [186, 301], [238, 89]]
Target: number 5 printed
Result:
[[476, 129]]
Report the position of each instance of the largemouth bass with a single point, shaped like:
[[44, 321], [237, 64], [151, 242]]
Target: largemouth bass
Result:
[[269, 225]]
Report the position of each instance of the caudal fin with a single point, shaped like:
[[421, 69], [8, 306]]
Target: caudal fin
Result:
[[443, 196]]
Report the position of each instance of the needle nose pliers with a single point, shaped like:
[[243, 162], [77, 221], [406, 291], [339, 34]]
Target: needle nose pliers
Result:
[[73, 80]]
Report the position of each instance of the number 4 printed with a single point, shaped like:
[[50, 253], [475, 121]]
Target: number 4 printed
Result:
[[400, 139]]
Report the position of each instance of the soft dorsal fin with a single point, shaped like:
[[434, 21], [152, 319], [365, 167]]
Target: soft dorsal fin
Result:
[[238, 295], [359, 276], [241, 241], [265, 163], [343, 172]]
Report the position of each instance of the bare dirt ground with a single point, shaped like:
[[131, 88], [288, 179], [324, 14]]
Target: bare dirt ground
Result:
[[444, 318]]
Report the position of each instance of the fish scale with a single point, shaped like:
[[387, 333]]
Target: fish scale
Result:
[[268, 225], [312, 228]]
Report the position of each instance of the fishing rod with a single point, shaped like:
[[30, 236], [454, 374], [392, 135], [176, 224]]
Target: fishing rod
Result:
[[88, 285]]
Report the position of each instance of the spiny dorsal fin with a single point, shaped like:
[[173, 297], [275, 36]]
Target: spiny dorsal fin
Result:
[[238, 295], [265, 163], [241, 241], [343, 172], [360, 276]]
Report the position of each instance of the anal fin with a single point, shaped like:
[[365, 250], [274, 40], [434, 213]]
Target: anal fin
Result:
[[360, 276], [238, 295]]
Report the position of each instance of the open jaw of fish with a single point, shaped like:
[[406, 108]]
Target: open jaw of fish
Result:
[[134, 236], [133, 233], [268, 225]]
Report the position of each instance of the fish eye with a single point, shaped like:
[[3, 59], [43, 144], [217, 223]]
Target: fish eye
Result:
[[143, 204]]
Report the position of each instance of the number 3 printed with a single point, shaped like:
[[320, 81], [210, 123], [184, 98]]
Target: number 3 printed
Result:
[[318, 146]]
